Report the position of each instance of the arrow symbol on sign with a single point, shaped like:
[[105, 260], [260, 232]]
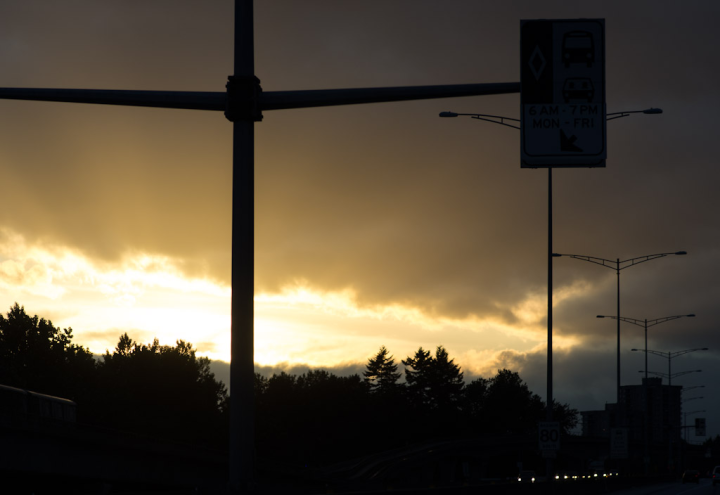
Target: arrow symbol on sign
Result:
[[568, 143]]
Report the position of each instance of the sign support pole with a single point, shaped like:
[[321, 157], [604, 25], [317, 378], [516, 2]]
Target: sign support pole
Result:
[[242, 348], [549, 416]]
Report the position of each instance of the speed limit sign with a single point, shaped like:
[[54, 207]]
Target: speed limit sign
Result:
[[549, 435]]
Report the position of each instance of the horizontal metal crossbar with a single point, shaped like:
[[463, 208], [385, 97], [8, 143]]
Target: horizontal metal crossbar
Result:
[[269, 100]]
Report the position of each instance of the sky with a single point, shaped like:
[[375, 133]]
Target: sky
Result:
[[377, 224]]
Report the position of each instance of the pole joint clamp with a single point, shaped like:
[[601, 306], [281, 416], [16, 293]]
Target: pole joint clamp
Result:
[[243, 99]]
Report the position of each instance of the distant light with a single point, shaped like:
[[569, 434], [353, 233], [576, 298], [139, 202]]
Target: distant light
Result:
[[448, 114], [651, 111]]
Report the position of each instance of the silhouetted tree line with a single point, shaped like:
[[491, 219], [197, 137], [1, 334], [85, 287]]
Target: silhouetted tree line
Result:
[[169, 393], [318, 417], [162, 392]]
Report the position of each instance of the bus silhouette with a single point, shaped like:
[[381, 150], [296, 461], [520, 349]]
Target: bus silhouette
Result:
[[578, 47]]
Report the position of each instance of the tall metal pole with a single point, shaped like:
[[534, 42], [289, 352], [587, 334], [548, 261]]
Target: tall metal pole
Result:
[[549, 412], [646, 430], [550, 302], [617, 399], [242, 407], [646, 351]]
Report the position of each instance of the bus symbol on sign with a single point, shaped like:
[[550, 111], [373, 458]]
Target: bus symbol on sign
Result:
[[578, 47]]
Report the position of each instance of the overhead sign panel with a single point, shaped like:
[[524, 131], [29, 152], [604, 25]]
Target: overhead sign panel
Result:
[[562, 79]]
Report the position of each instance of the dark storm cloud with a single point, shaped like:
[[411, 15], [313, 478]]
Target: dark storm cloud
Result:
[[98, 179], [388, 199]]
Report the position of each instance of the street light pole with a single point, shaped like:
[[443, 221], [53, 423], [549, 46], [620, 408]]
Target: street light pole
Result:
[[549, 413], [669, 356], [500, 120], [645, 324], [496, 119], [618, 265], [670, 426]]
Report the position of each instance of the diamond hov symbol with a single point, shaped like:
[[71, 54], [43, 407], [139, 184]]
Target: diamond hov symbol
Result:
[[537, 62]]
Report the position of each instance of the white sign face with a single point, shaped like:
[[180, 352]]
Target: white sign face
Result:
[[563, 93], [549, 435]]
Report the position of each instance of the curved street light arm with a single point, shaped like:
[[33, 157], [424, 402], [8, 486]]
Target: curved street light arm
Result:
[[617, 264], [499, 122], [608, 116], [634, 321], [680, 353], [671, 355], [674, 375], [493, 119], [656, 353], [657, 321], [619, 115], [643, 259], [590, 259]]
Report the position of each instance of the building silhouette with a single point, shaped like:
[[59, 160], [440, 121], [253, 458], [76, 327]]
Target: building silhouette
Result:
[[652, 403]]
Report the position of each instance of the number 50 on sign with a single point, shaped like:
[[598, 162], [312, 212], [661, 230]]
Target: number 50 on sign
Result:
[[549, 435]]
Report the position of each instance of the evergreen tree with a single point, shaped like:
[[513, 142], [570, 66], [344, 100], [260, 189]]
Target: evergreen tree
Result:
[[510, 406], [448, 381], [418, 377], [381, 372], [37, 356], [160, 390], [474, 400], [433, 382], [566, 416]]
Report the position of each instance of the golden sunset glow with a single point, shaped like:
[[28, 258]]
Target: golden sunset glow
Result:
[[375, 224]]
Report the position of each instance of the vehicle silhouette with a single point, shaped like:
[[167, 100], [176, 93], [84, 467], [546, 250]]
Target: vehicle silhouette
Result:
[[578, 88], [578, 47]]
